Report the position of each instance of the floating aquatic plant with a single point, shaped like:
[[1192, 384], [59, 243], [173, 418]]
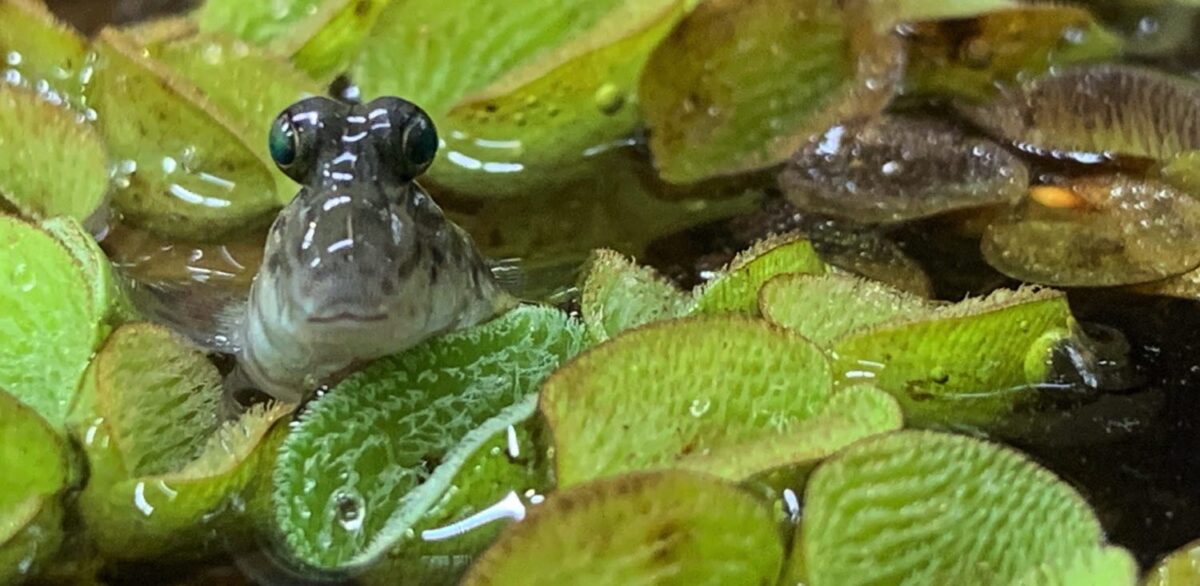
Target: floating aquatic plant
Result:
[[896, 168], [824, 308], [49, 321], [735, 289], [989, 47], [1180, 568], [665, 528], [967, 363], [928, 508], [370, 463], [1107, 230], [619, 294], [33, 473], [41, 54], [38, 176], [738, 86], [166, 477]]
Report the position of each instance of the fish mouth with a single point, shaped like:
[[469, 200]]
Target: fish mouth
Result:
[[347, 316]]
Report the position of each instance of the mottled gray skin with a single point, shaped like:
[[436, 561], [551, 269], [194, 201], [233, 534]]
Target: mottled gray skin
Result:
[[362, 263]]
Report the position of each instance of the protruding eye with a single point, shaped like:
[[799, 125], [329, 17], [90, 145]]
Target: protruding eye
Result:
[[418, 144], [283, 142]]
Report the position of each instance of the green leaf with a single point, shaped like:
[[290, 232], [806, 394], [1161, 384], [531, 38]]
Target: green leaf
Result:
[[1120, 230], [666, 528], [372, 458], [1091, 566], [740, 84], [915, 507], [655, 396], [735, 289], [166, 477], [48, 320], [900, 168], [1007, 44], [109, 301], [320, 36], [918, 10], [33, 471], [824, 308], [618, 294], [964, 363], [1180, 568], [184, 169], [41, 54], [51, 163]]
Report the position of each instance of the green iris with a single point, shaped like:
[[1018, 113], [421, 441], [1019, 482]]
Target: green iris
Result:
[[282, 143]]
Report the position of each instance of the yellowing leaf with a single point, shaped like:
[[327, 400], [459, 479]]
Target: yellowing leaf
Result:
[[740, 84]]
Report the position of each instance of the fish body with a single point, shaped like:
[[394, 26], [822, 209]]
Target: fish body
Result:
[[362, 263]]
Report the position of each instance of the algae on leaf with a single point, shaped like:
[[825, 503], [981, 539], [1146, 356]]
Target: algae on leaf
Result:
[[33, 472], [51, 162], [183, 168], [735, 289], [665, 529], [167, 479], [619, 294], [915, 507], [739, 85], [49, 321], [371, 460]]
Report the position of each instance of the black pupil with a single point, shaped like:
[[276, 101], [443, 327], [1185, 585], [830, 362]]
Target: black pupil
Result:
[[282, 143], [422, 142]]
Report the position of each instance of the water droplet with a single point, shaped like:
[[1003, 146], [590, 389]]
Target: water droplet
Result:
[[23, 278], [349, 509], [700, 406], [609, 99], [891, 168], [13, 58]]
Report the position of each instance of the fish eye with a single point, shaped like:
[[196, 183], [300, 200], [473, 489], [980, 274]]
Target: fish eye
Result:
[[418, 144], [283, 142]]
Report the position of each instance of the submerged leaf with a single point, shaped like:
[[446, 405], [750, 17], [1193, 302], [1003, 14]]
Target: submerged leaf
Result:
[[964, 363], [49, 321], [665, 529], [540, 123], [823, 308], [895, 168], [973, 58], [1092, 112], [183, 170], [165, 476], [51, 164], [687, 387], [739, 85], [867, 251], [33, 471], [521, 92], [373, 458], [246, 86], [618, 294], [1122, 230], [928, 508], [735, 289]]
